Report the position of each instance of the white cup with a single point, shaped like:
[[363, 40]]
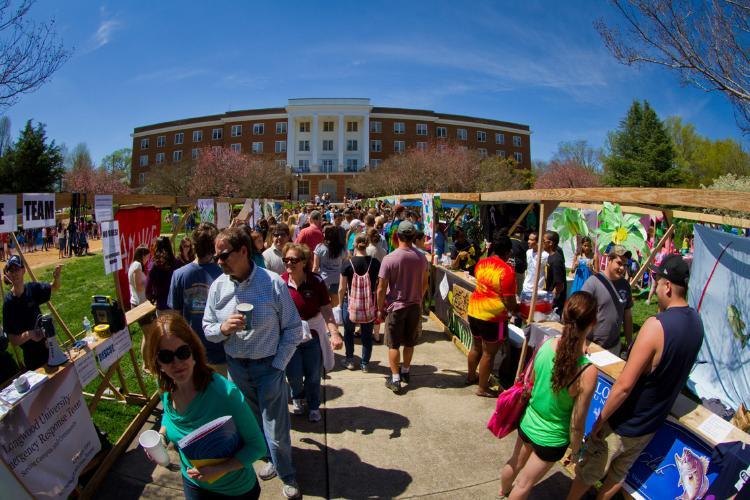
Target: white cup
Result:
[[247, 311], [151, 442], [22, 384]]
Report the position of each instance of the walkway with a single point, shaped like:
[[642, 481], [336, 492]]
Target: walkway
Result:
[[429, 442]]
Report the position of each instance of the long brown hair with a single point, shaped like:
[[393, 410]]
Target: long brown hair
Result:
[[578, 315], [173, 324]]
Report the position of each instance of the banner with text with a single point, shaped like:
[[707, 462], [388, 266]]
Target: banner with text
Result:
[[38, 210], [48, 438], [138, 226], [103, 207], [8, 217], [111, 246]]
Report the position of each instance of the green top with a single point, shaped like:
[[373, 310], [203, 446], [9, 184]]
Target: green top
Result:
[[547, 417], [220, 398]]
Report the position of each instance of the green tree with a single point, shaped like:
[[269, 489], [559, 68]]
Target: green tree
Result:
[[31, 164], [118, 163], [79, 158], [579, 153], [640, 151]]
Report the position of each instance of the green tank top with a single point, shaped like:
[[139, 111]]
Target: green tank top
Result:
[[547, 417]]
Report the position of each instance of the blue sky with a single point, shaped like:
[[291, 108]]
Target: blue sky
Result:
[[537, 63]]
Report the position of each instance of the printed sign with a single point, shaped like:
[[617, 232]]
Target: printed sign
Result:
[[122, 342], [111, 246], [38, 210], [8, 217], [48, 438], [460, 300], [85, 365], [222, 215], [257, 214], [206, 210], [138, 226], [603, 386], [103, 207], [428, 215]]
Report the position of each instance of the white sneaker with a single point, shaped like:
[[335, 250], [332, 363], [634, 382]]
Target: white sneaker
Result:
[[267, 472], [314, 416], [298, 406], [291, 491]]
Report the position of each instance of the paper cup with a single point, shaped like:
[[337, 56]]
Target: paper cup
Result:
[[151, 442], [247, 311], [22, 384]]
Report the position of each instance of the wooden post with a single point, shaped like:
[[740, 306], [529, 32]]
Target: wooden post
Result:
[[546, 207], [520, 219], [654, 251]]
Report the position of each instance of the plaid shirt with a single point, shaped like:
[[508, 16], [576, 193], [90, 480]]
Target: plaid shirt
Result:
[[276, 325]]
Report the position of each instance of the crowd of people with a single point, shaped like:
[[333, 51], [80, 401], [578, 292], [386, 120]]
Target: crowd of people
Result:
[[68, 238]]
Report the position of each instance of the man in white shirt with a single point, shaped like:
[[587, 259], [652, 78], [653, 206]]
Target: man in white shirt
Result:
[[531, 253], [272, 256]]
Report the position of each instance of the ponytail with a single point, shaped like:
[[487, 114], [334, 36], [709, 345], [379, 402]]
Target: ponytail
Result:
[[578, 315]]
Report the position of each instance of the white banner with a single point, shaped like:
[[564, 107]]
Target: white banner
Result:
[[48, 438], [206, 210], [257, 214], [8, 217], [103, 207], [111, 246], [113, 348], [246, 209], [38, 210], [86, 368], [223, 214]]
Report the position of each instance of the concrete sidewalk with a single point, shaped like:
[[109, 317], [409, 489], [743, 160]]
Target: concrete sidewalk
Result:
[[430, 441]]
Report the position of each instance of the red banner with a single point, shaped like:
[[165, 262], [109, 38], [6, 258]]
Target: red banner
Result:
[[138, 226]]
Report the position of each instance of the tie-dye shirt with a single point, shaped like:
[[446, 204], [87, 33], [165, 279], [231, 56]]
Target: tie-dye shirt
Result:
[[495, 279]]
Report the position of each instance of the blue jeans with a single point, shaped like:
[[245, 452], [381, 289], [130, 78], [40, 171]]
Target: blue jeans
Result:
[[267, 393], [306, 363], [349, 328], [193, 492]]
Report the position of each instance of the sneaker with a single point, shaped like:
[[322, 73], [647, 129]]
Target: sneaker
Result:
[[267, 472], [314, 416], [405, 378], [298, 406], [291, 490], [364, 368], [349, 364], [394, 386]]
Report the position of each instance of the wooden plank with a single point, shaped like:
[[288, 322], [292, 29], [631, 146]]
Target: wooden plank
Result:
[[651, 256], [520, 218], [140, 312]]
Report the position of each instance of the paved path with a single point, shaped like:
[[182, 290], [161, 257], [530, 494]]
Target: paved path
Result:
[[429, 442]]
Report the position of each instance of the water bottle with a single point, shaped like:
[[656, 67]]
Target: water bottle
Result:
[[86, 325]]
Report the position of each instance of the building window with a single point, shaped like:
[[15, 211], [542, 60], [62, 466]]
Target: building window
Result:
[[518, 157], [421, 146], [280, 147], [441, 132], [303, 188], [177, 155], [259, 129], [352, 126], [399, 128], [376, 127], [143, 162], [179, 137], [421, 129], [197, 135], [304, 145], [499, 138], [194, 153], [481, 136], [142, 178], [217, 134], [281, 127], [328, 127], [399, 146], [159, 158], [351, 165], [482, 152], [161, 141], [144, 143], [462, 134], [375, 163], [351, 144], [376, 146], [327, 166], [281, 164], [237, 147], [328, 145], [304, 165], [500, 153], [517, 141], [304, 126], [235, 131]]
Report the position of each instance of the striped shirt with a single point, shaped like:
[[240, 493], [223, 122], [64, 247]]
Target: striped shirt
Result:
[[276, 327]]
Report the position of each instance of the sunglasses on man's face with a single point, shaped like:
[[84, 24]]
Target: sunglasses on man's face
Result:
[[223, 255], [291, 260], [280, 235], [166, 356]]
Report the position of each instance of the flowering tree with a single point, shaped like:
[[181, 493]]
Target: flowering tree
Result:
[[223, 172], [87, 179], [567, 175]]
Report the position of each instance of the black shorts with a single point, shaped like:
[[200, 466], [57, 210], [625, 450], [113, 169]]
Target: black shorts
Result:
[[546, 453], [488, 331], [402, 326]]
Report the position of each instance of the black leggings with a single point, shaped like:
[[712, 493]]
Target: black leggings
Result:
[[546, 453]]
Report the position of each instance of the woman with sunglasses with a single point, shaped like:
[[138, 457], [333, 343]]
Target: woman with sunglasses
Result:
[[187, 253], [310, 295], [193, 395]]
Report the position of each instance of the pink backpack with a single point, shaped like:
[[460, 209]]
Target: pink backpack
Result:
[[362, 306]]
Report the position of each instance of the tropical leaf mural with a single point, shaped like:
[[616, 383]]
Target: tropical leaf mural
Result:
[[619, 229], [569, 223]]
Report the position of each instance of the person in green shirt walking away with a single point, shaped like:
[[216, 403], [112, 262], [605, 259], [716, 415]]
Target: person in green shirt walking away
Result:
[[556, 414], [193, 395]]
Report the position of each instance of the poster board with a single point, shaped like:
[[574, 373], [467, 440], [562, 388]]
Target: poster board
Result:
[[103, 207], [38, 210], [138, 226], [111, 246], [246, 209], [223, 214], [428, 214], [8, 217], [206, 210]]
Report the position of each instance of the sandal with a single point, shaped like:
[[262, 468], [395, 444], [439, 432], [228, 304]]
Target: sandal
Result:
[[485, 394]]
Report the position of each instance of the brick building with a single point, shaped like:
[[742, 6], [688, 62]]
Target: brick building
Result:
[[324, 142]]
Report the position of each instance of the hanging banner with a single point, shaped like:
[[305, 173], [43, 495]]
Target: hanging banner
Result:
[[206, 210], [138, 226], [111, 246], [223, 215], [103, 207], [48, 438], [246, 209], [8, 216], [268, 208], [38, 210], [257, 214], [428, 215]]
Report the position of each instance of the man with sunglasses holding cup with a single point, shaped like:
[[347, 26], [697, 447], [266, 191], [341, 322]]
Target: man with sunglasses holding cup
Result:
[[258, 352]]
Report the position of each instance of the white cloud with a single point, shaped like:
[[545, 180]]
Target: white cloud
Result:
[[168, 75], [104, 33]]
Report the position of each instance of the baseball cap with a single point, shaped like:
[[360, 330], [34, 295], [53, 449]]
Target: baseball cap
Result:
[[674, 268], [406, 228], [619, 251], [14, 261]]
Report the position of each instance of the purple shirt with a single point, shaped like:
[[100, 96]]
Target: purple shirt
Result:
[[404, 271]]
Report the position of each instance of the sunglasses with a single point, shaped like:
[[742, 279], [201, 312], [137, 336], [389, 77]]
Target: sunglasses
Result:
[[223, 255], [166, 356], [291, 260], [280, 235]]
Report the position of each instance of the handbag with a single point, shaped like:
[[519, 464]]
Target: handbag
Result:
[[512, 402]]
